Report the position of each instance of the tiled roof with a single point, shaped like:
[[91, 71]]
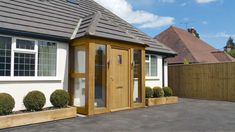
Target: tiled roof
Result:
[[59, 18], [190, 47]]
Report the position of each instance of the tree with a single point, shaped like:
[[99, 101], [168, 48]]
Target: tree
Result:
[[232, 53], [230, 43]]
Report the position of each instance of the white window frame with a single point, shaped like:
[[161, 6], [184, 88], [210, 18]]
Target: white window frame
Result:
[[35, 51], [26, 51], [149, 68]]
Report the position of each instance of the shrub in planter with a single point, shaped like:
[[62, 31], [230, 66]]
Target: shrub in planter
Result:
[[34, 101], [168, 91], [59, 98], [158, 92], [148, 92], [7, 103]]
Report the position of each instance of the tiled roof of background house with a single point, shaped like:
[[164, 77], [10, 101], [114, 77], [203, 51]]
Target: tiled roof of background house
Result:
[[190, 47], [59, 18]]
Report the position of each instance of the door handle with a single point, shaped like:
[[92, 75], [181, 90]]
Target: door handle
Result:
[[120, 87]]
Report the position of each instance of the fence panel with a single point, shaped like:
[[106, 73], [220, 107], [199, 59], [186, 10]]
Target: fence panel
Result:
[[215, 81]]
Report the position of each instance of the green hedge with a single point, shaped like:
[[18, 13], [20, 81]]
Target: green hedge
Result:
[[7, 104], [148, 92], [59, 98], [168, 91], [34, 101], [158, 92]]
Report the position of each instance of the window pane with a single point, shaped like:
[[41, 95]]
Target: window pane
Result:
[[100, 76], [47, 56], [24, 64], [147, 69], [80, 59], [5, 56], [79, 92], [137, 76], [153, 65], [25, 44]]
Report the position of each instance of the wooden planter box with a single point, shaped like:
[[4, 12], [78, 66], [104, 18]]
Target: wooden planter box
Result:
[[161, 101], [36, 117]]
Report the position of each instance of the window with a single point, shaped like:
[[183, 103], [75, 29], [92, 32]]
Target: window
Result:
[[24, 58], [80, 59], [24, 64], [25, 44], [100, 76], [28, 57], [47, 58], [137, 76], [5, 56], [80, 80], [151, 65]]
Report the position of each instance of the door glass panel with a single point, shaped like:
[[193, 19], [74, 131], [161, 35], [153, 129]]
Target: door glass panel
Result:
[[137, 76], [100, 76], [79, 92], [80, 59]]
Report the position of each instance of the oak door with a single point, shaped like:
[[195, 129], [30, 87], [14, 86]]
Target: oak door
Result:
[[119, 77]]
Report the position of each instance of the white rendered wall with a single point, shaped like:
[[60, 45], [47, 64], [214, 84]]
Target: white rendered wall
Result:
[[165, 74], [157, 81], [18, 87]]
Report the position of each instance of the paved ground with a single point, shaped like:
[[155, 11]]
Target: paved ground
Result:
[[187, 115]]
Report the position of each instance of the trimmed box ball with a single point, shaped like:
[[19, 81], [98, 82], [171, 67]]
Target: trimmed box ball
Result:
[[34, 101], [7, 104], [59, 98]]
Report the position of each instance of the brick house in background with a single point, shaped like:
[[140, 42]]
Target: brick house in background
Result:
[[190, 48]]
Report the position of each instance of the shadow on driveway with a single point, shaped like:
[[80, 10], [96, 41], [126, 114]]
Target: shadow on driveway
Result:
[[187, 115]]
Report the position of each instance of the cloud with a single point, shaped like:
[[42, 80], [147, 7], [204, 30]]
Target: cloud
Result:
[[183, 4], [205, 1], [220, 35], [141, 18], [166, 1], [204, 22]]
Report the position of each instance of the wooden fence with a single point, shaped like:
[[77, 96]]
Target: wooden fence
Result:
[[204, 81]]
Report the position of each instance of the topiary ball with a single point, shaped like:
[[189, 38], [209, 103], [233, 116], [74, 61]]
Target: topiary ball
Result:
[[148, 92], [158, 92], [168, 91], [7, 104], [34, 101], [59, 98]]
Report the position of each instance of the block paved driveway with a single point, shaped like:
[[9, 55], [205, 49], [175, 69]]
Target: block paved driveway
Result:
[[187, 115]]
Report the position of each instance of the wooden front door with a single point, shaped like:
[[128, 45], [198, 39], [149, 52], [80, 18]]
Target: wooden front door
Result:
[[119, 77]]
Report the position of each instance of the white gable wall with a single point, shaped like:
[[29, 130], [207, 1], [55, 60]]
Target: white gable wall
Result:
[[18, 87]]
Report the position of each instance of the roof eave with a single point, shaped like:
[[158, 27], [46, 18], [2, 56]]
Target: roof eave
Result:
[[12, 32]]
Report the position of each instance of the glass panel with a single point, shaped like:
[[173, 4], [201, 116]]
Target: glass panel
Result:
[[146, 57], [5, 56], [137, 76], [24, 64], [80, 59], [25, 44], [147, 69], [100, 76], [47, 55], [119, 59], [79, 92], [153, 65]]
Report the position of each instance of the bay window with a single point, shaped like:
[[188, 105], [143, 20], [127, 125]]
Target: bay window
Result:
[[150, 65], [27, 57]]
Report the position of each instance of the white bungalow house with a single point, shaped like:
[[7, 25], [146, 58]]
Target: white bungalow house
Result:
[[100, 59]]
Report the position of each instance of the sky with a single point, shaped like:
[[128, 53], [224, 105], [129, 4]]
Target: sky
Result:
[[214, 20]]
